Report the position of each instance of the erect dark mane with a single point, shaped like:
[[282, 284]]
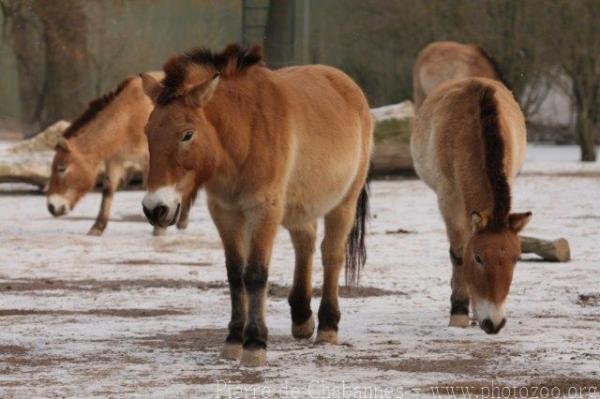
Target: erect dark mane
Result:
[[233, 59], [494, 65], [494, 157], [93, 109]]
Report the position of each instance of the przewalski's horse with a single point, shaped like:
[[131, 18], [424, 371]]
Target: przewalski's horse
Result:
[[468, 144], [442, 61], [271, 148], [110, 131]]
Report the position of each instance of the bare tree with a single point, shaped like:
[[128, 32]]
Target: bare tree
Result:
[[49, 40], [23, 31], [67, 66], [574, 37]]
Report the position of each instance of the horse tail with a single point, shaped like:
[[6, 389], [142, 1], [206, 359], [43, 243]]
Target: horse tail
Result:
[[356, 250]]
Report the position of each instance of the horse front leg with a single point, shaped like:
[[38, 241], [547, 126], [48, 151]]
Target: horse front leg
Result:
[[256, 274], [110, 184], [231, 227]]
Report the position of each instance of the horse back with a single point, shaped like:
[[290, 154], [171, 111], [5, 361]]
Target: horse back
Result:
[[442, 61], [447, 141]]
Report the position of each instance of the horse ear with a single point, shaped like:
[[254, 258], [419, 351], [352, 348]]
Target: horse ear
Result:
[[151, 86], [200, 94], [63, 144], [478, 221], [518, 221]]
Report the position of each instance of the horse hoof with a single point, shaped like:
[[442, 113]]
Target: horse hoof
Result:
[[459, 320], [94, 232], [231, 351], [304, 330], [159, 231], [255, 357], [182, 224], [326, 337]]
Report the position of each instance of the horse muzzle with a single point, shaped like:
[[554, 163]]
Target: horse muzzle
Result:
[[57, 205], [490, 328], [162, 207], [491, 316], [162, 216]]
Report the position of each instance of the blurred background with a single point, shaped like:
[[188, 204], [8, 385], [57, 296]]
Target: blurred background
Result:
[[57, 55]]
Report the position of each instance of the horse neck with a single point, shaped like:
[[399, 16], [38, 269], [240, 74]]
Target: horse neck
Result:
[[229, 113]]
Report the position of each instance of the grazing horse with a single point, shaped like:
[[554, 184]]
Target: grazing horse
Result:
[[271, 148], [110, 131], [442, 61], [468, 144]]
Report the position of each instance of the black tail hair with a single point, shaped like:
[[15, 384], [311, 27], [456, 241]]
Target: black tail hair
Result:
[[356, 250]]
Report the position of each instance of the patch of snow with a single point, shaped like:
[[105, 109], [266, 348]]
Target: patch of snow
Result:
[[82, 331]]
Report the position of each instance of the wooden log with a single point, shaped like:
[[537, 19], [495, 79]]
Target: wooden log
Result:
[[391, 153], [551, 250], [29, 161]]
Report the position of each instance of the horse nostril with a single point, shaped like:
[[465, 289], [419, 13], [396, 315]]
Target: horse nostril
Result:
[[488, 326], [51, 208], [160, 212]]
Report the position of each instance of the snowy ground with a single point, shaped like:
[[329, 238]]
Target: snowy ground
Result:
[[131, 315]]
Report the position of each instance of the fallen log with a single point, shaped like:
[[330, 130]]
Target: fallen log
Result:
[[29, 161], [391, 153], [551, 250]]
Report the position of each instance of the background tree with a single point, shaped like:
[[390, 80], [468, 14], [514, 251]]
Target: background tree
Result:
[[575, 42], [67, 73], [48, 39]]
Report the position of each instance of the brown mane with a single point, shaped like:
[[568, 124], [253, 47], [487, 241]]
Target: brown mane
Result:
[[232, 60], [93, 109], [494, 158], [495, 66]]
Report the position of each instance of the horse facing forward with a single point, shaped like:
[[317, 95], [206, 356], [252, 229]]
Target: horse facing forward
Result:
[[468, 144], [442, 61], [270, 147], [110, 131]]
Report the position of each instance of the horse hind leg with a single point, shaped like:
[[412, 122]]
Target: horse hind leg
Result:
[[338, 226], [303, 239]]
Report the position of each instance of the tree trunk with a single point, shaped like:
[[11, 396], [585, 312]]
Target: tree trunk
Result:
[[279, 33], [585, 134], [67, 82], [26, 43]]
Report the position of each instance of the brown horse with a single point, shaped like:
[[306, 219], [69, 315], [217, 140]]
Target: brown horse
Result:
[[468, 143], [442, 61], [109, 132], [271, 148]]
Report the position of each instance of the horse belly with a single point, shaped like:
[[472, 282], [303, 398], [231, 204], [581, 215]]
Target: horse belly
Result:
[[319, 182]]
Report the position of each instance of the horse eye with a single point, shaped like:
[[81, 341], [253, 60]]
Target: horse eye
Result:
[[478, 259], [61, 169], [187, 135]]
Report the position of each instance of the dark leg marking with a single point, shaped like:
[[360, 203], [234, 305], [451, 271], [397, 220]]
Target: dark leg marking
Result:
[[255, 281], [329, 317]]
